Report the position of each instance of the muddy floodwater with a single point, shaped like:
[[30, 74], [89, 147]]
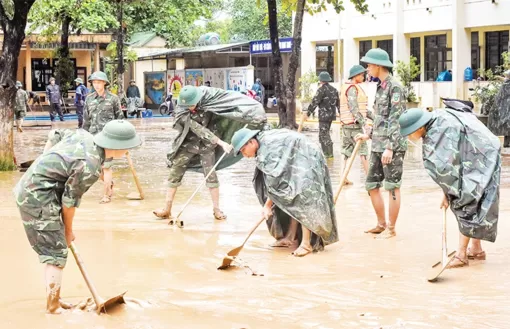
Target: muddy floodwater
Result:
[[358, 282]]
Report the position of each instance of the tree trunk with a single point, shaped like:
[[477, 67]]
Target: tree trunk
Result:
[[290, 93], [65, 69], [277, 68], [14, 34], [120, 50]]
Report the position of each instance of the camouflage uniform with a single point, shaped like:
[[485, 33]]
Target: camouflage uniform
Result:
[[499, 115], [350, 131], [200, 140], [20, 107], [99, 110], [464, 159], [57, 178], [389, 105], [328, 102]]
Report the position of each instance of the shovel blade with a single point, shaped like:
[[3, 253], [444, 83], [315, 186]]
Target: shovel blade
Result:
[[134, 196], [26, 165], [226, 263], [111, 303], [436, 272]]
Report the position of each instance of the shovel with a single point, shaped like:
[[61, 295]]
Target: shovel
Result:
[[102, 305], [447, 258], [134, 195], [180, 223], [231, 255], [348, 166]]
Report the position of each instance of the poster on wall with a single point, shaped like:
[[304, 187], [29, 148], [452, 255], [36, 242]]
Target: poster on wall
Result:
[[155, 88], [236, 79], [175, 82], [194, 78], [216, 77]]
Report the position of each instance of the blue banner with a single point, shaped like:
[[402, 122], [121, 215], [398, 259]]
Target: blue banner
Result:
[[264, 46]]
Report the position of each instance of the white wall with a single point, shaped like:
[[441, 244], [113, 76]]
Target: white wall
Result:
[[484, 13], [147, 66]]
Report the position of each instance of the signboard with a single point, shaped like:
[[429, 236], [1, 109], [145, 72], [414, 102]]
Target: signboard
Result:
[[264, 46], [194, 78], [216, 77], [237, 79], [155, 88], [175, 82]]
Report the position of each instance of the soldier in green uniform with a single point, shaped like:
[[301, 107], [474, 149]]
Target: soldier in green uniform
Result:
[[50, 191], [328, 102], [101, 107], [293, 185], [199, 141], [20, 106], [388, 146], [464, 158], [353, 113]]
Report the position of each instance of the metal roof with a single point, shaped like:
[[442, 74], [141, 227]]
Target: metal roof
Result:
[[178, 52]]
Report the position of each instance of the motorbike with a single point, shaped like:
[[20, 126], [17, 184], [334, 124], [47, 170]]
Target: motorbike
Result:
[[167, 108]]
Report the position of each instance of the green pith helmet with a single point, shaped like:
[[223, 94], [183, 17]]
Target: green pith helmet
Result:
[[241, 137], [324, 77], [377, 56], [118, 135], [19, 84], [98, 75], [189, 96], [79, 80], [355, 70], [412, 120]]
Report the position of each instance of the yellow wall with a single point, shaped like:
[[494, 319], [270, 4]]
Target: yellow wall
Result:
[[83, 59]]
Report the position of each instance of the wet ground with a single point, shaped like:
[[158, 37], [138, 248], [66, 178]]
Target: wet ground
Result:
[[356, 283]]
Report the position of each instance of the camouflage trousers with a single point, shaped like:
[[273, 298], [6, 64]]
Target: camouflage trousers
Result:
[[390, 175], [20, 114], [46, 235], [348, 143], [325, 138], [180, 165]]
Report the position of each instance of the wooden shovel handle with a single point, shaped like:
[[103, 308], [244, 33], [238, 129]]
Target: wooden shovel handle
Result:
[[81, 266], [348, 166], [253, 229], [135, 175]]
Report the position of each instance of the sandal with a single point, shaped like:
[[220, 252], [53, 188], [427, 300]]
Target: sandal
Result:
[[478, 256], [307, 249], [458, 262], [376, 230], [106, 199], [218, 214]]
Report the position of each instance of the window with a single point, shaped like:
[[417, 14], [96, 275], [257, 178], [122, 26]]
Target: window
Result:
[[475, 54], [81, 72], [41, 73], [364, 46], [325, 59], [416, 52], [438, 57], [496, 43], [386, 45]]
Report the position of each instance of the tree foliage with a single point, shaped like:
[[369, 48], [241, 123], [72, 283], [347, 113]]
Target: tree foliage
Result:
[[250, 19], [171, 19], [90, 15], [406, 73]]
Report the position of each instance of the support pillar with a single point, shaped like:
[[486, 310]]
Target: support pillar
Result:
[[401, 42], [461, 47], [28, 67], [97, 65]]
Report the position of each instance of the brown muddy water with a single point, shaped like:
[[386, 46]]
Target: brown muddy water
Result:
[[356, 283]]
